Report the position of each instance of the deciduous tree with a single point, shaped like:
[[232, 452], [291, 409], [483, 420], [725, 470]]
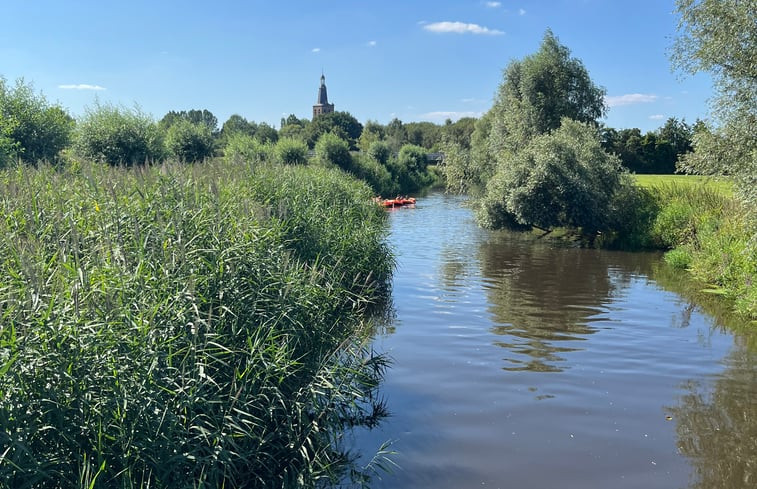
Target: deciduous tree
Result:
[[720, 37]]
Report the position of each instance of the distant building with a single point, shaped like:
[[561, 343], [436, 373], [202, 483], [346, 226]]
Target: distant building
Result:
[[322, 106]]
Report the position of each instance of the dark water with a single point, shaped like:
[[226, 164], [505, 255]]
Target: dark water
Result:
[[517, 364]]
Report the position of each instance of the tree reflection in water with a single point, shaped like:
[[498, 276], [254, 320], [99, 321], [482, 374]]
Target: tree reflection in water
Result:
[[717, 426], [544, 300]]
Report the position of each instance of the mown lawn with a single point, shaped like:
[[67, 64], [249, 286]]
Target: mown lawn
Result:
[[721, 185]]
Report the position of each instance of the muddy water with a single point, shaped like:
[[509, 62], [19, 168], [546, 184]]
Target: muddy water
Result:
[[517, 364]]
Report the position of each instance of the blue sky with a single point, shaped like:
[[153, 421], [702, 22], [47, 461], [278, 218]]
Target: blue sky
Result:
[[415, 60]]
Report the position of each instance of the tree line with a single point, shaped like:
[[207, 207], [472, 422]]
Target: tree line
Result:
[[33, 130]]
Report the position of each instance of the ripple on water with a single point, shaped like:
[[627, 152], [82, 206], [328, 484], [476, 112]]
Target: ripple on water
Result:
[[517, 364]]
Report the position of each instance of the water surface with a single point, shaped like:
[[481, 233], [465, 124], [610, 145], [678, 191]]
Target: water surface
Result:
[[519, 364]]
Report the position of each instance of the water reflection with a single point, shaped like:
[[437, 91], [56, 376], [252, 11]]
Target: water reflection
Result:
[[542, 301], [625, 340], [717, 425]]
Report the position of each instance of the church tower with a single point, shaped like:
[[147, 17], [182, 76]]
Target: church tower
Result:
[[322, 106]]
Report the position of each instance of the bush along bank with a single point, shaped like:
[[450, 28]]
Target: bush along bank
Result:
[[712, 236], [703, 230], [185, 326]]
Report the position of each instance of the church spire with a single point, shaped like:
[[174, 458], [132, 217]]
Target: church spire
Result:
[[322, 105]]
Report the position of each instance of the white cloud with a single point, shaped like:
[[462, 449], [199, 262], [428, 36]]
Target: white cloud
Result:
[[444, 115], [657, 117], [630, 99], [461, 28], [81, 86], [371, 44], [521, 12], [493, 4], [472, 100], [315, 50]]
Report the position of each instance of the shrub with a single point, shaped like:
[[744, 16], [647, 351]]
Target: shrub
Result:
[[30, 127], [632, 212], [409, 169], [118, 136], [678, 257], [189, 141], [374, 174], [245, 148], [291, 151], [674, 224], [332, 150]]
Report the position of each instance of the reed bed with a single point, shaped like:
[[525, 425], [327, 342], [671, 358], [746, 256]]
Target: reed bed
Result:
[[712, 235], [185, 326]]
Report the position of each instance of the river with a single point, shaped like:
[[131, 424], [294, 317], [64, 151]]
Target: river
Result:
[[520, 364]]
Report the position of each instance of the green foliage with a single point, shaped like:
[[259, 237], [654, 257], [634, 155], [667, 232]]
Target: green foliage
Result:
[[185, 325], [342, 124], [293, 128], [8, 147], [30, 127], [118, 136], [424, 134], [396, 134], [189, 141], [633, 210], [409, 169], [332, 150], [245, 148], [457, 167], [373, 132], [711, 235], [560, 179], [460, 131], [236, 124], [204, 117], [413, 158], [720, 37], [655, 152], [291, 151], [674, 224], [678, 258], [374, 173], [538, 92], [380, 151]]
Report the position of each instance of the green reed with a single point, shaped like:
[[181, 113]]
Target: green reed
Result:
[[713, 236], [185, 326]]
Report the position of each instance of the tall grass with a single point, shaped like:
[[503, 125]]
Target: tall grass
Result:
[[185, 326], [713, 236]]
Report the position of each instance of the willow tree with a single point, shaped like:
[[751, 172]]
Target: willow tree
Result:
[[549, 169], [720, 37], [540, 90]]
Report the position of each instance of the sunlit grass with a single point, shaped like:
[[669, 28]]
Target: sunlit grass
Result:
[[722, 185]]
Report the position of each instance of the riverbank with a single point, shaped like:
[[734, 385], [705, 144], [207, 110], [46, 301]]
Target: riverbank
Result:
[[708, 233], [185, 325]]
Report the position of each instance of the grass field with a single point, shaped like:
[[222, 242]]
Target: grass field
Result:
[[723, 186]]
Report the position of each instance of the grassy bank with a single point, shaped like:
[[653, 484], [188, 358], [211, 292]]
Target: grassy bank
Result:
[[706, 232], [184, 326]]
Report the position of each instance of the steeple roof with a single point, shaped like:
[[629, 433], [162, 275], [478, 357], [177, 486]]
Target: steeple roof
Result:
[[323, 98]]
